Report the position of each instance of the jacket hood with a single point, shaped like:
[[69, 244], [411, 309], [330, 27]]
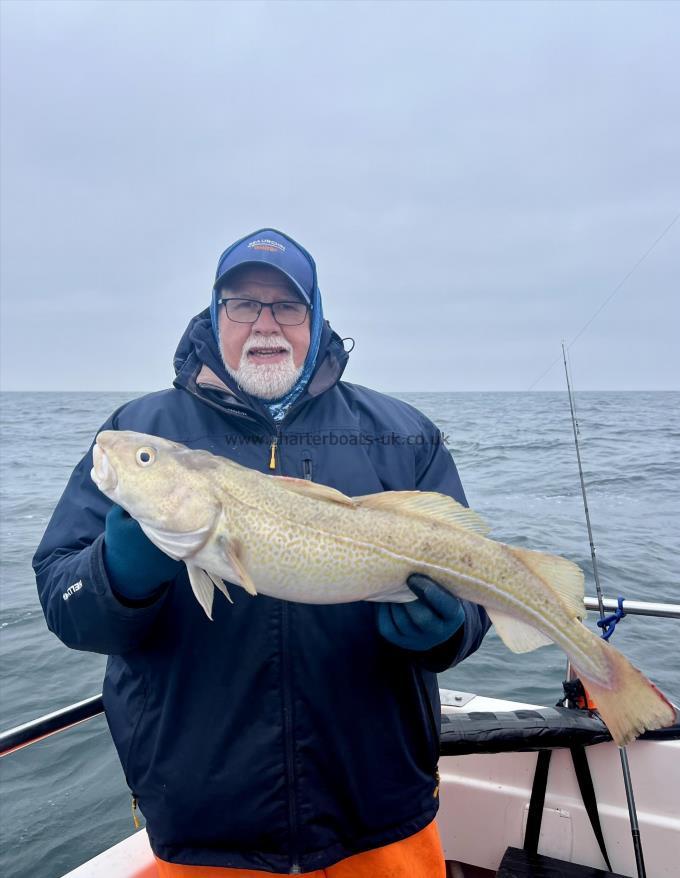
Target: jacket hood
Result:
[[199, 368]]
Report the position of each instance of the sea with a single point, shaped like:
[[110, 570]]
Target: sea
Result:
[[64, 799]]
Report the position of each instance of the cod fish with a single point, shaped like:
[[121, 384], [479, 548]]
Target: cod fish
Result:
[[300, 541]]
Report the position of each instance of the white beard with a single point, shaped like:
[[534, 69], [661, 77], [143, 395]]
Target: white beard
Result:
[[265, 380]]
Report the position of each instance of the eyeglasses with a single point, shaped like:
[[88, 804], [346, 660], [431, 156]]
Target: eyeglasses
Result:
[[248, 310]]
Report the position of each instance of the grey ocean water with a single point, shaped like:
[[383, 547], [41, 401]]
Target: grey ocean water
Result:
[[64, 799]]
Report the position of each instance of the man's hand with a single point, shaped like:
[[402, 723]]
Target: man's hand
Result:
[[135, 566], [424, 623]]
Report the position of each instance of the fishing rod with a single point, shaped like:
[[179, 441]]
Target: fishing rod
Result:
[[609, 298], [623, 753], [574, 424]]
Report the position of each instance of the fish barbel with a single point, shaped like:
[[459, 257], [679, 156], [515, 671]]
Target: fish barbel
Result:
[[300, 541]]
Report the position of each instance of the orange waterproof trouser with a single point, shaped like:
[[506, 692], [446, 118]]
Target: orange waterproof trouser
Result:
[[418, 856]]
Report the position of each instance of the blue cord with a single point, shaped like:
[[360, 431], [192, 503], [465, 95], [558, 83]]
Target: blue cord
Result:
[[609, 623]]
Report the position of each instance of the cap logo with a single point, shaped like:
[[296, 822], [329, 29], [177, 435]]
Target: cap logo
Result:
[[266, 244]]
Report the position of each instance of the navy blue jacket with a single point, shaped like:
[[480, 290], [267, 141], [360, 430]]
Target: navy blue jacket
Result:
[[280, 736]]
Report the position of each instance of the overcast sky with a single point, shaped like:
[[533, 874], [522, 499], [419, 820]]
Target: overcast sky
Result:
[[473, 179]]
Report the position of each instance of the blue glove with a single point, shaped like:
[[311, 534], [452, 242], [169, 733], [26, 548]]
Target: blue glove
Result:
[[135, 566], [425, 623]]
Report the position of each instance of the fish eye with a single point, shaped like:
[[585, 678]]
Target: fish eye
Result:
[[145, 456]]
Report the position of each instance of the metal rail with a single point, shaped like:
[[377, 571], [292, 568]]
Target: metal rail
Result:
[[49, 724], [60, 720], [635, 608]]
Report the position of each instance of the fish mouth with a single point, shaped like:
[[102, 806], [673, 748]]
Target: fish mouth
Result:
[[103, 473]]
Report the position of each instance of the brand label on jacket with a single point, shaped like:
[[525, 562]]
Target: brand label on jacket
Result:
[[72, 589]]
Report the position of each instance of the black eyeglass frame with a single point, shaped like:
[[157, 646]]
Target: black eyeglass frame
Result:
[[262, 305]]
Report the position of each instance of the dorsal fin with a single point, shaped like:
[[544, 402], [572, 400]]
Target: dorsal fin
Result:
[[426, 504], [314, 490], [563, 576]]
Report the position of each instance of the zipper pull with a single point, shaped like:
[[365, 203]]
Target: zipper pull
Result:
[[435, 794], [135, 818], [272, 457]]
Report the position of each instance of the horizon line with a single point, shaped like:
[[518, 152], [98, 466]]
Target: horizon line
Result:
[[388, 392]]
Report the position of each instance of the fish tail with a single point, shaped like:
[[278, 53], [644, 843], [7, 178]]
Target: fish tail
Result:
[[629, 704]]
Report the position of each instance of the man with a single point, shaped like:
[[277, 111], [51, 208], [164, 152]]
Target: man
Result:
[[281, 737]]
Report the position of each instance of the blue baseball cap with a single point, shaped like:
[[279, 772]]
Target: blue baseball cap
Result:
[[272, 248]]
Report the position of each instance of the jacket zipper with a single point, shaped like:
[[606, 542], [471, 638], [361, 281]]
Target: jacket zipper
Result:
[[288, 733], [276, 440], [287, 681], [287, 695], [434, 734], [135, 818]]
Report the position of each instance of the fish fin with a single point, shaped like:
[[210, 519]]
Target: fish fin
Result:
[[313, 490], [203, 587], [399, 596], [516, 635], [563, 576], [236, 562], [630, 704], [427, 504], [219, 583], [178, 545]]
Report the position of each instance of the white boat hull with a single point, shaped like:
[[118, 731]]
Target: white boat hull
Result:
[[485, 802]]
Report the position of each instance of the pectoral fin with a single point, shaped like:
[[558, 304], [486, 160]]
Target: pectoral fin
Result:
[[236, 562], [516, 635]]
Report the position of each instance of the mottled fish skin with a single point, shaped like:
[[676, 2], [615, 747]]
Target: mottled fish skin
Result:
[[298, 541]]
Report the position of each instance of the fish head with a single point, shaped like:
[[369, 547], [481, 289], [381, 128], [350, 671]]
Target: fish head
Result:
[[167, 487]]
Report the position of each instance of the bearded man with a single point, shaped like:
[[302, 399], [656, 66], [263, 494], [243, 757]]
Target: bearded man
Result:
[[279, 738]]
